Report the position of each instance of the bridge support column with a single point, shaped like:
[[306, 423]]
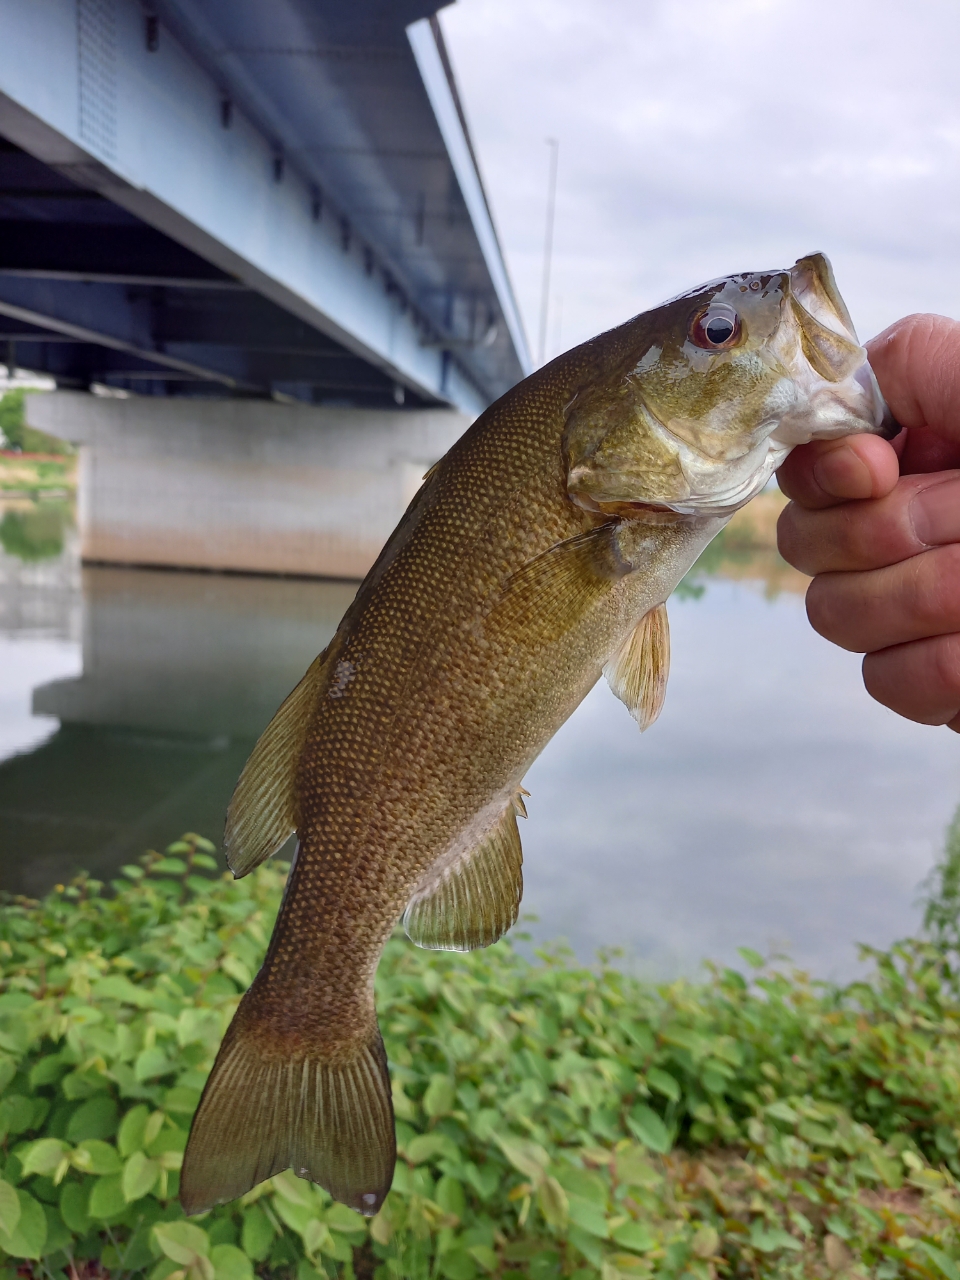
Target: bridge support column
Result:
[[242, 485]]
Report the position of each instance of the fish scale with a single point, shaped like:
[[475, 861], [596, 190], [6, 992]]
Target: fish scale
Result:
[[539, 552]]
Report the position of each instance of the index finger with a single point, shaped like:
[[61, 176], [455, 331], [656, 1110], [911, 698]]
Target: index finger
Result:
[[827, 472]]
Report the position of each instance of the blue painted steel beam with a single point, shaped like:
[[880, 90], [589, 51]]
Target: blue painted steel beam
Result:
[[146, 130]]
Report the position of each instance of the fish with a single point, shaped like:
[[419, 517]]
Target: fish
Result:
[[538, 555]]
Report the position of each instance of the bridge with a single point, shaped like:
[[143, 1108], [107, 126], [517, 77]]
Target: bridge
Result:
[[250, 244]]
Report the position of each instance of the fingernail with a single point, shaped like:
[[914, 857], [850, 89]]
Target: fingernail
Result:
[[935, 513], [841, 473]]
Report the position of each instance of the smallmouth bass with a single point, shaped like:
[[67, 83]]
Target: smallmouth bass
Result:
[[538, 554]]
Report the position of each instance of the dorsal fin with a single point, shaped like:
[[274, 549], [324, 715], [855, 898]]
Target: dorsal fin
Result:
[[638, 671], [261, 816], [475, 899]]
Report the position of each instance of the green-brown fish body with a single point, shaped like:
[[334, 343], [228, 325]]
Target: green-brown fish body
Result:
[[538, 553]]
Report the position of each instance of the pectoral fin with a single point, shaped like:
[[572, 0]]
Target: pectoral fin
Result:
[[475, 899], [260, 817], [638, 672], [551, 593]]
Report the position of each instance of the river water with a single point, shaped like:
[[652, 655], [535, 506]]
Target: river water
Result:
[[772, 806]]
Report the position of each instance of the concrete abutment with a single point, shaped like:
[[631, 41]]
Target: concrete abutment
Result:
[[242, 485]]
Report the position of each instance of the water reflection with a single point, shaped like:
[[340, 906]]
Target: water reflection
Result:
[[773, 805], [181, 671]]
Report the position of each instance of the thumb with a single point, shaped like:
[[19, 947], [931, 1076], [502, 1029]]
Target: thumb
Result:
[[917, 363]]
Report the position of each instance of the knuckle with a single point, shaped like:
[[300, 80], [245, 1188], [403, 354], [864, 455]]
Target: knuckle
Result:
[[934, 589], [945, 666], [825, 607]]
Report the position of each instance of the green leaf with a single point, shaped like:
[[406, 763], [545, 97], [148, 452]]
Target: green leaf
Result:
[[74, 1197], [527, 1157], [169, 866], [95, 1118], [29, 1237], [772, 1239], [782, 1111], [9, 1208], [257, 1233], [16, 1114], [646, 1125], [753, 958], [450, 1196], [485, 1256], [58, 1234], [152, 1063], [635, 1236], [440, 1096], [664, 1083], [553, 1203], [230, 1263], [94, 1156], [457, 1264], [106, 1198], [47, 1071], [140, 1175], [181, 1101], [430, 1146], [941, 1261], [131, 1135], [342, 1218], [588, 1217], [182, 1242], [43, 1156]]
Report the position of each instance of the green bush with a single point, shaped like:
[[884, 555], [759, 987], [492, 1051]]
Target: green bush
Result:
[[35, 534], [13, 425], [551, 1120]]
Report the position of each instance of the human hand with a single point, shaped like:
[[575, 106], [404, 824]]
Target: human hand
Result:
[[878, 525]]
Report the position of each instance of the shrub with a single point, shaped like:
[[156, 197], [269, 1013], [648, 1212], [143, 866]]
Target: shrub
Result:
[[14, 429], [551, 1120]]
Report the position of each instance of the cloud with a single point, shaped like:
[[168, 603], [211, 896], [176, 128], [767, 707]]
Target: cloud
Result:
[[713, 136]]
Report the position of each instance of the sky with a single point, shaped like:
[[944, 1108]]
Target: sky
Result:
[[703, 137]]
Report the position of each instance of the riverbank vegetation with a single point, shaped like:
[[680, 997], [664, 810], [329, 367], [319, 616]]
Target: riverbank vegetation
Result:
[[552, 1120]]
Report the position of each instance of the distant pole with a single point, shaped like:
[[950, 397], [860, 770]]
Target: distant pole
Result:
[[554, 146]]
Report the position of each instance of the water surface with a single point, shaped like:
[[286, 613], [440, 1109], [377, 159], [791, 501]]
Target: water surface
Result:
[[773, 805]]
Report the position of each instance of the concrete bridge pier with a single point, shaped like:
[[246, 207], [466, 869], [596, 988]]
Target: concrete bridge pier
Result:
[[242, 485]]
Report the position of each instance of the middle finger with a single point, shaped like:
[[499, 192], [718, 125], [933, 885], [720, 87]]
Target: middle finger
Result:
[[922, 511], [881, 607]]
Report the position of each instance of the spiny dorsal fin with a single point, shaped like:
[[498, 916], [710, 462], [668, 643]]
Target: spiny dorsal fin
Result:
[[638, 672], [551, 593], [475, 899], [260, 817], [263, 1112]]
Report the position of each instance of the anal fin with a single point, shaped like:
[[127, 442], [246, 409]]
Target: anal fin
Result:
[[261, 816], [638, 671], [474, 899]]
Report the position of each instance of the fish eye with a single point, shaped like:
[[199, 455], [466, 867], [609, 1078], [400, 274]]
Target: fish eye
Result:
[[715, 329]]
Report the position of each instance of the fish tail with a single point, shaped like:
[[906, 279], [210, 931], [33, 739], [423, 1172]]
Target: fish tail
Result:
[[330, 1121]]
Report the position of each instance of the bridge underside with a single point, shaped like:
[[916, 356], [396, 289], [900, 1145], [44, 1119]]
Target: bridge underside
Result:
[[91, 295]]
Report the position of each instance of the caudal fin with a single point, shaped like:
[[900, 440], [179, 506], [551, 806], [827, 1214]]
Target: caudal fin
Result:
[[329, 1122]]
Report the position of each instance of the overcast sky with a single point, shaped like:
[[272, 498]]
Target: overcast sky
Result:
[[702, 137]]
